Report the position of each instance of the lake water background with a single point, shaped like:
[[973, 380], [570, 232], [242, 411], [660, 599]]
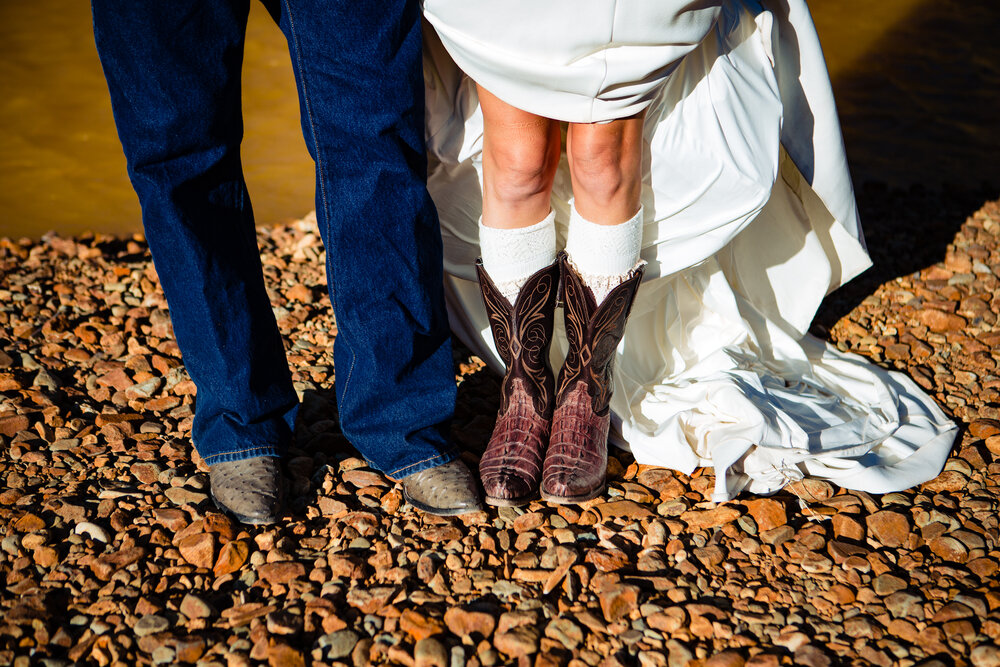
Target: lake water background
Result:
[[917, 86]]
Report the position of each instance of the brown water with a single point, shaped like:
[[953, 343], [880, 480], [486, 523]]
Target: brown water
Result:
[[61, 166], [917, 85]]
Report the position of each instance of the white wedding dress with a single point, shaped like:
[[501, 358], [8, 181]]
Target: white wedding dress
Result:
[[750, 222]]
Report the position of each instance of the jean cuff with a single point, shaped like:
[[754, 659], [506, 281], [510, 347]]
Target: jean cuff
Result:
[[243, 454], [432, 462]]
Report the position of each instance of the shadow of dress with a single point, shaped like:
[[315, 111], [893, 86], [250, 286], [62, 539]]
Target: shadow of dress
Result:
[[750, 221]]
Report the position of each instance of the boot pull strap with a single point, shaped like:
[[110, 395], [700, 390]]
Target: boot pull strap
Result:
[[560, 296]]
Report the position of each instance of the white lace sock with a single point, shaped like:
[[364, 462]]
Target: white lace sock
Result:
[[511, 256], [603, 255]]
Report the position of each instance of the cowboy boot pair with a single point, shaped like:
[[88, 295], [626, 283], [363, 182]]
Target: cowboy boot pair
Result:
[[558, 440]]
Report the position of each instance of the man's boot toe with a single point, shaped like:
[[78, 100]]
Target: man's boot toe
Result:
[[445, 490], [251, 490]]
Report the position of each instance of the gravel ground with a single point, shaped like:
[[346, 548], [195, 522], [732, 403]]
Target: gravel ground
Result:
[[112, 553]]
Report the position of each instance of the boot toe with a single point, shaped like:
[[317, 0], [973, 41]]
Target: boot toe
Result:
[[570, 486], [508, 488], [575, 468], [251, 490], [445, 490]]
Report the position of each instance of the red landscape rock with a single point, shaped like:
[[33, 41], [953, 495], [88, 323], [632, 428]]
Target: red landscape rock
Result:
[[199, 549]]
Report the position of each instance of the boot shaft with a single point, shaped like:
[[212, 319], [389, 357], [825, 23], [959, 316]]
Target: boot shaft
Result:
[[523, 332], [593, 332]]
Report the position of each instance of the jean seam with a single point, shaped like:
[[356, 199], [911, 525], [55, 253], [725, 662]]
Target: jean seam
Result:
[[395, 473], [308, 105], [320, 168], [350, 373], [238, 451]]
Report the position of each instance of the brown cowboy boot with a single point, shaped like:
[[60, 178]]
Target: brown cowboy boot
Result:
[[512, 464], [576, 463]]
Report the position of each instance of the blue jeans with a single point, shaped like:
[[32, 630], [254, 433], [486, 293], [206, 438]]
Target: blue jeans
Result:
[[173, 70]]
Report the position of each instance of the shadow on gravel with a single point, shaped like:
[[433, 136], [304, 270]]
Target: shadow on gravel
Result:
[[918, 107], [477, 403], [906, 230]]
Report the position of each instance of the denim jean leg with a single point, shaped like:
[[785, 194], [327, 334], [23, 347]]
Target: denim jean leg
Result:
[[359, 75], [173, 71]]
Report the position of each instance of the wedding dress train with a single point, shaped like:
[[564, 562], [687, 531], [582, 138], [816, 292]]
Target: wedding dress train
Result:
[[750, 222]]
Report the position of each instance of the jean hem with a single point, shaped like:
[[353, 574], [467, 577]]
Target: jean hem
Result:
[[243, 454], [432, 462]]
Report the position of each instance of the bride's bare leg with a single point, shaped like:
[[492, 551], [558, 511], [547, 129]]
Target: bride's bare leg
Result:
[[605, 164], [605, 225], [520, 156]]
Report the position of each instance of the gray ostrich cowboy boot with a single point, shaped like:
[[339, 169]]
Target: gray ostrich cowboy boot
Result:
[[576, 462], [251, 490], [511, 467], [445, 490]]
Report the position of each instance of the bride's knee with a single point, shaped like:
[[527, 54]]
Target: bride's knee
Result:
[[597, 176], [604, 163], [517, 171]]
